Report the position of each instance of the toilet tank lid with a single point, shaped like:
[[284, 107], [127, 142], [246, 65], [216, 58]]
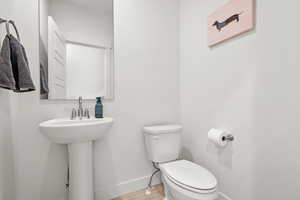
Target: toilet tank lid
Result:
[[162, 129]]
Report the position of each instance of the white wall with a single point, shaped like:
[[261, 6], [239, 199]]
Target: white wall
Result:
[[38, 167], [6, 149], [146, 88], [147, 82], [7, 172], [249, 86]]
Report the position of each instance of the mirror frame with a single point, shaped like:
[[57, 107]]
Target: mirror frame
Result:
[[109, 73]]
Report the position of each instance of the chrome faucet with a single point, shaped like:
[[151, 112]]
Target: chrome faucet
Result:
[[80, 111], [73, 114]]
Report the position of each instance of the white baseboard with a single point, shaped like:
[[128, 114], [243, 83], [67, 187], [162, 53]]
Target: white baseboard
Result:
[[126, 187], [224, 196], [136, 184]]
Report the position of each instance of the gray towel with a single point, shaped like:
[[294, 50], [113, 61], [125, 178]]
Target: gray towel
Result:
[[6, 74], [20, 66], [43, 80]]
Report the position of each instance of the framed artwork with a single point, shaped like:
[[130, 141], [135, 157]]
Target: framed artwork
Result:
[[234, 18]]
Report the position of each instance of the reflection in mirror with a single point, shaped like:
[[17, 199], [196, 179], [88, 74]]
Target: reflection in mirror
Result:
[[76, 49]]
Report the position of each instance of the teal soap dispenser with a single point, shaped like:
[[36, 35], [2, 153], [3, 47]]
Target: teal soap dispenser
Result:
[[99, 108]]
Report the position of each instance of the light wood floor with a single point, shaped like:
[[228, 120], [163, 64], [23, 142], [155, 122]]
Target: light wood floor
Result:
[[157, 193]]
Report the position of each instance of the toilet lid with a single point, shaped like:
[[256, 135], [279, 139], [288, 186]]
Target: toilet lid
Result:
[[190, 175]]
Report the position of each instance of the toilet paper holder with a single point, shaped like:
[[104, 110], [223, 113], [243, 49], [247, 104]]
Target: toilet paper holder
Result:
[[229, 138]]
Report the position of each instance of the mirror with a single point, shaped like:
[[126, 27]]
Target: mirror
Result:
[[76, 49]]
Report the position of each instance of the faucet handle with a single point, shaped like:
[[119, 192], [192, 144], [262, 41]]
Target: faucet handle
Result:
[[87, 113], [74, 114], [80, 113]]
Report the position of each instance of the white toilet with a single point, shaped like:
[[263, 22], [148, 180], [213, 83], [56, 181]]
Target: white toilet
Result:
[[182, 179]]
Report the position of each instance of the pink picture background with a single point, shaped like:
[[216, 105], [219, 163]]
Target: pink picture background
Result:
[[246, 23]]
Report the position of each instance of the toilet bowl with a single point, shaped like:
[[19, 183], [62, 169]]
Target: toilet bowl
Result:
[[182, 179]]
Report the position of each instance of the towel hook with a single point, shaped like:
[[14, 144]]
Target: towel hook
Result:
[[7, 28], [6, 24], [15, 27], [2, 20]]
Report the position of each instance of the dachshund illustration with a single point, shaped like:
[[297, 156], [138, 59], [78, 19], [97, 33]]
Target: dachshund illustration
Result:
[[221, 25]]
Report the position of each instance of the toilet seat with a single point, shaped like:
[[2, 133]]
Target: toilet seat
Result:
[[187, 188], [189, 176], [176, 192]]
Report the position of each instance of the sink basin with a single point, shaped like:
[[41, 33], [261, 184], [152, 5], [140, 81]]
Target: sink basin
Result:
[[79, 136], [66, 131]]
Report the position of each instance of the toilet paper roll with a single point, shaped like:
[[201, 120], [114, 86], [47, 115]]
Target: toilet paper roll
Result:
[[216, 136]]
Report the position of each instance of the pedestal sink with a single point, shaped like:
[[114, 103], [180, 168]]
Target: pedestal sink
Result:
[[78, 135]]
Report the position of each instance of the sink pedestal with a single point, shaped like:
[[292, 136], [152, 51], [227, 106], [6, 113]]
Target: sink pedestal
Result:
[[79, 136], [81, 171]]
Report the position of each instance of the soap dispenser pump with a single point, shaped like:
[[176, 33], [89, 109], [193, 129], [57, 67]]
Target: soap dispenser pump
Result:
[[99, 108]]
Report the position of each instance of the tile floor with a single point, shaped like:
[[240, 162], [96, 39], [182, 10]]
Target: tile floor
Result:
[[157, 193]]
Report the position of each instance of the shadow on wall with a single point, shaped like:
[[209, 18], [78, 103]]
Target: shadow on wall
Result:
[[7, 175], [186, 154], [55, 174], [277, 112], [225, 90], [224, 154], [105, 175]]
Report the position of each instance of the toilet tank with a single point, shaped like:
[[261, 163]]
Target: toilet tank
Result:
[[162, 142]]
